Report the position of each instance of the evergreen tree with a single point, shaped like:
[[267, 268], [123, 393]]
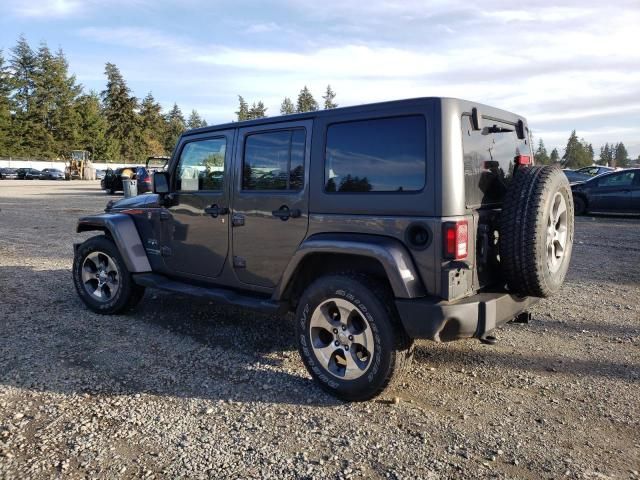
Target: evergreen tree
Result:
[[287, 107], [23, 65], [328, 99], [306, 102], [243, 109], [154, 128], [175, 126], [195, 120], [257, 111], [6, 140], [92, 126], [555, 156], [54, 105], [621, 156], [123, 129], [606, 155], [541, 157], [576, 153]]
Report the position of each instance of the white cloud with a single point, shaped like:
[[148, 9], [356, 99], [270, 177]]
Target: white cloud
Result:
[[564, 65], [63, 9]]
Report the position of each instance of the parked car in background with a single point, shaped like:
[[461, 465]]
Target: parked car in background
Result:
[[595, 170], [617, 191], [112, 181], [585, 173], [8, 174], [29, 174], [100, 174], [51, 174], [143, 179]]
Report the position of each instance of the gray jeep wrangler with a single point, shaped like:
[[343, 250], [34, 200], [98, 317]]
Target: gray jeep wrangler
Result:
[[375, 225]]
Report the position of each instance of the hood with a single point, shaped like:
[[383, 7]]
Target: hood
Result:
[[146, 200]]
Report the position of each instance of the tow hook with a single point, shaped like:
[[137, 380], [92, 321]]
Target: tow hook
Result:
[[488, 339]]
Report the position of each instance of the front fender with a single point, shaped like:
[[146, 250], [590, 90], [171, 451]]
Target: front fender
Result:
[[389, 252], [123, 230]]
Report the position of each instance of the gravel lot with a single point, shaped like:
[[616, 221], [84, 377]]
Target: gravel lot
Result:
[[183, 388]]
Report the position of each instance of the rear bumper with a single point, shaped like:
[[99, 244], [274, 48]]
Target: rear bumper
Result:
[[469, 317]]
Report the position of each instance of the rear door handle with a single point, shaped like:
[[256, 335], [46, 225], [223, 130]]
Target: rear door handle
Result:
[[215, 210], [284, 213]]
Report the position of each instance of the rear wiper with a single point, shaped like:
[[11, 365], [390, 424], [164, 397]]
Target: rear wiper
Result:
[[495, 129]]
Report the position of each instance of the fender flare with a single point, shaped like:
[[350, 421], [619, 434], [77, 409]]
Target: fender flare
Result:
[[123, 230], [389, 252]]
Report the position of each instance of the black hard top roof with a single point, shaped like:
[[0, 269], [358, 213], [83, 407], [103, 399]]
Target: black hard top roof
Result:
[[316, 114]]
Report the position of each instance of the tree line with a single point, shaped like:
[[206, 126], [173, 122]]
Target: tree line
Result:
[[45, 112], [304, 103], [578, 153]]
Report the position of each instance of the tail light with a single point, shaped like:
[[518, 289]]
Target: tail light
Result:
[[456, 239], [523, 160]]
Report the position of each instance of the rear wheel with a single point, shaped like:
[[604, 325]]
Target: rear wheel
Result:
[[102, 279], [350, 337]]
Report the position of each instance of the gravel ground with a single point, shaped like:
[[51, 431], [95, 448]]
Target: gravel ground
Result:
[[184, 388]]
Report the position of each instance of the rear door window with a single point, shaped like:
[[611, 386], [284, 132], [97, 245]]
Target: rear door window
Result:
[[274, 160], [377, 155], [489, 160]]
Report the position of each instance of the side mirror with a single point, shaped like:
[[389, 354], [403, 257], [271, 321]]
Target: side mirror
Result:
[[161, 182]]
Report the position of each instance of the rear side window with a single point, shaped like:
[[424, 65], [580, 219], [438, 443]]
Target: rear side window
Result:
[[274, 160], [380, 155], [623, 179], [489, 160]]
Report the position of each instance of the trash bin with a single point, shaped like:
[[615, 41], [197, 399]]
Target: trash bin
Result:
[[130, 187]]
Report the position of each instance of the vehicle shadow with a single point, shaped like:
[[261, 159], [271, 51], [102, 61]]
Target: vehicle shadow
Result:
[[455, 357], [168, 346]]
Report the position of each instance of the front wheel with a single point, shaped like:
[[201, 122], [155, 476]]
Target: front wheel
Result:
[[350, 337], [102, 279]]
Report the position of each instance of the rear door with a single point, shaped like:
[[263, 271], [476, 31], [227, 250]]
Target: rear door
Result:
[[613, 192], [270, 202], [196, 235]]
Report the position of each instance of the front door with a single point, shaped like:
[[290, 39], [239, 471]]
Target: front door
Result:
[[196, 239], [270, 203], [613, 192]]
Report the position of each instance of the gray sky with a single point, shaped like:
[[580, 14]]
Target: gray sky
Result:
[[563, 65]]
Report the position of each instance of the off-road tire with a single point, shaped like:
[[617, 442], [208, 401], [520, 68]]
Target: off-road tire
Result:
[[523, 231], [392, 347], [128, 294], [580, 205]]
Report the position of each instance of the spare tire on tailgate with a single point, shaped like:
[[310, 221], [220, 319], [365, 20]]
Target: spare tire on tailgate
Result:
[[536, 231]]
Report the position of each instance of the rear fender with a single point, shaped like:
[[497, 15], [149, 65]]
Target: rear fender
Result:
[[122, 229], [390, 253]]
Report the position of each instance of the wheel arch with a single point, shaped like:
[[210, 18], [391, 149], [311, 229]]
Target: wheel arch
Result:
[[122, 230], [386, 259]]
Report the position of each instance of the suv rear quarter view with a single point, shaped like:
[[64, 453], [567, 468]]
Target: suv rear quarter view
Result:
[[375, 225]]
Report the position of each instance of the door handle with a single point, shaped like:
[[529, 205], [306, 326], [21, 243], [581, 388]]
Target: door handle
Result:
[[215, 210], [284, 213]]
